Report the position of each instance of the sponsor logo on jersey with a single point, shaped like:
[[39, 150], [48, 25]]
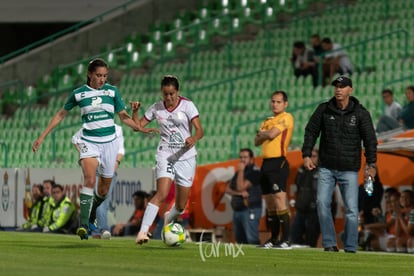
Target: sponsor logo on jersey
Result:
[[176, 140]]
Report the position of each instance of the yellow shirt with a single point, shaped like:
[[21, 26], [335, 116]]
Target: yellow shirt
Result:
[[278, 146]]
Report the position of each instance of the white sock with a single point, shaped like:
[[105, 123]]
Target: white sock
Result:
[[173, 214], [86, 191], [149, 216]]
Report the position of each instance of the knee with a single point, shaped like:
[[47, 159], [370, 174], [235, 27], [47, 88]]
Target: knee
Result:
[[90, 181]]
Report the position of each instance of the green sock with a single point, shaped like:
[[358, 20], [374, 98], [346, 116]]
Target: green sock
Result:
[[85, 207]]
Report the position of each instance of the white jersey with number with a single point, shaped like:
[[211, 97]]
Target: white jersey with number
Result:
[[175, 127]]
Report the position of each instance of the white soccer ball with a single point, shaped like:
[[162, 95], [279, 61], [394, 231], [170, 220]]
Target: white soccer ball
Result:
[[173, 234], [106, 235]]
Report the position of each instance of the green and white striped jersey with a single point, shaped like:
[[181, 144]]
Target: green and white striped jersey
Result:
[[98, 107]]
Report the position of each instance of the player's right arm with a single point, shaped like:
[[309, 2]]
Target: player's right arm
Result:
[[57, 118]]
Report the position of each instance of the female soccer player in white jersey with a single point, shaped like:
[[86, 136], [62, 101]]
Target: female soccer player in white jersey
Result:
[[98, 102], [176, 153]]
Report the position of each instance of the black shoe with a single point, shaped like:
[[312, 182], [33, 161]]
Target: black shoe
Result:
[[331, 249], [267, 245], [350, 251]]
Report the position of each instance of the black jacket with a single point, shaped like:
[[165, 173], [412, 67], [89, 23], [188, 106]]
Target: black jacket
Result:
[[341, 134]]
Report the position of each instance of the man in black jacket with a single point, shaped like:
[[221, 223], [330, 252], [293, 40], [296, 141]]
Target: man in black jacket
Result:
[[342, 123]]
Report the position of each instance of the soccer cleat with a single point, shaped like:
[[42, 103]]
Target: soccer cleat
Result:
[[282, 245], [267, 245], [106, 235], [82, 232], [142, 237], [331, 249], [92, 226]]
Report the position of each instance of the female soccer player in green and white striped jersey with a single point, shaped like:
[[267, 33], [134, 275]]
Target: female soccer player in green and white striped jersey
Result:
[[98, 102]]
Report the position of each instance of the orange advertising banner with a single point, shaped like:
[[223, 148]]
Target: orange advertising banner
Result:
[[210, 206]]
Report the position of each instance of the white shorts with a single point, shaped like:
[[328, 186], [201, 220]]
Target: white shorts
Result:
[[181, 171], [105, 153]]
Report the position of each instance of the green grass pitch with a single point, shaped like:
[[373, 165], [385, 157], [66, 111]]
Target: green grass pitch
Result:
[[49, 254]]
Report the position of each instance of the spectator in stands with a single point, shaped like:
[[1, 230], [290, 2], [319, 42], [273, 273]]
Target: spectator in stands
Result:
[[102, 227], [304, 62], [35, 211], [377, 235], [389, 120], [134, 223], [336, 60], [401, 220], [98, 101], [407, 113], [316, 45], [305, 228], [64, 216], [246, 199]]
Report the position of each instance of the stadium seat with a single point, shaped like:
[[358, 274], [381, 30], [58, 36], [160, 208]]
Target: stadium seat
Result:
[[134, 60], [168, 50], [111, 58]]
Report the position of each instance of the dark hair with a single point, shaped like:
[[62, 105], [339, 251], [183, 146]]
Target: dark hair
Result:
[[411, 87], [140, 194], [410, 193], [93, 64], [40, 187], [251, 154], [52, 182], [60, 187], [315, 36], [391, 191], [387, 91], [170, 80], [326, 40], [299, 45], [283, 93]]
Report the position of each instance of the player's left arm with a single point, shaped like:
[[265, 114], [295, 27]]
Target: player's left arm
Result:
[[270, 134], [198, 133]]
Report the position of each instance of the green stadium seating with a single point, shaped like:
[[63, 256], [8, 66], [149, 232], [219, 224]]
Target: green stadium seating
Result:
[[269, 48]]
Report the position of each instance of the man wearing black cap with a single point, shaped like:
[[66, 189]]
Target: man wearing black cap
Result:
[[342, 123]]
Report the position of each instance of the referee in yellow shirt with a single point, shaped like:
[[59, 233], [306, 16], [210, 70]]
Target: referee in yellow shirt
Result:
[[274, 136]]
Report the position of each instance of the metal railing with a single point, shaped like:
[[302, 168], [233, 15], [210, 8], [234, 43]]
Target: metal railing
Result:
[[402, 79]]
